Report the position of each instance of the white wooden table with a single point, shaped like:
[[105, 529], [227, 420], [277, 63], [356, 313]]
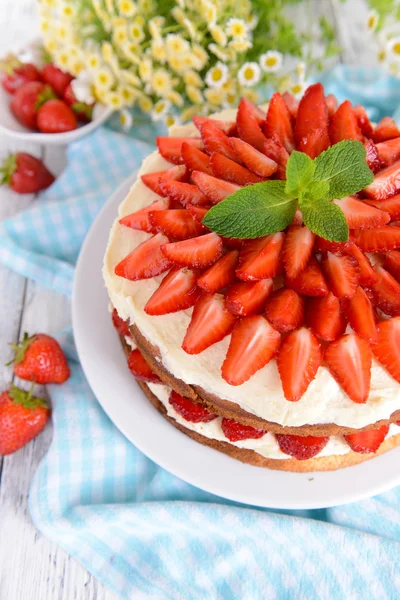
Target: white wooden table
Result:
[[31, 567]]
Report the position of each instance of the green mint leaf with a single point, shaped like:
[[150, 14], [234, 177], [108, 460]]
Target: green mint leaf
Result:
[[317, 190], [253, 211], [326, 220], [299, 173], [344, 167]]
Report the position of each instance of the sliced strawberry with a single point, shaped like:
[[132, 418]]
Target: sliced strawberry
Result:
[[363, 121], [177, 291], [236, 432], [120, 325], [297, 249], [211, 321], [221, 274], [344, 124], [152, 180], [227, 127], [349, 361], [324, 317], [253, 344], [368, 441], [232, 243], [298, 361], [301, 447], [321, 245], [215, 140], [195, 159], [342, 274], [385, 130], [285, 310], [367, 273], [312, 112], [389, 151], [298, 218], [140, 369], [386, 292], [315, 142], [140, 218], [183, 193], [332, 104], [213, 188], [189, 410], [248, 297], [256, 161], [360, 215], [170, 148], [385, 184], [279, 121], [177, 224], [276, 151], [198, 212], [260, 258], [373, 158], [291, 103], [199, 252], [145, 261], [387, 348], [227, 169], [392, 263], [378, 240], [310, 282], [361, 315], [248, 121]]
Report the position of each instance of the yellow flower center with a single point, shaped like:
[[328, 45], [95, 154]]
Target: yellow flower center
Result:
[[371, 22], [216, 75], [238, 29], [296, 88], [248, 73], [396, 48], [271, 61], [381, 55]]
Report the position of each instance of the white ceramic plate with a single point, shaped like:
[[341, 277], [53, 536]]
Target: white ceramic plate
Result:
[[12, 128], [104, 364]]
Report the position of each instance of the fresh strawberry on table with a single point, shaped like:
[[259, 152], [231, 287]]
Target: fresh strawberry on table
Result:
[[39, 358], [15, 73], [58, 79], [25, 174], [54, 116], [27, 99], [22, 418]]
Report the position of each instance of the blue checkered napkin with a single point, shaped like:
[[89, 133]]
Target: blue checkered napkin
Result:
[[138, 529]]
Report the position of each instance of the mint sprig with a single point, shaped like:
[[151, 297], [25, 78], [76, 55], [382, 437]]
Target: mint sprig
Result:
[[264, 208]]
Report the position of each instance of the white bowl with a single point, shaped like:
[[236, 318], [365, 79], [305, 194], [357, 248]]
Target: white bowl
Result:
[[12, 128]]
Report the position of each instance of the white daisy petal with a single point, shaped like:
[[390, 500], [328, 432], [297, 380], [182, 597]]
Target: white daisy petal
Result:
[[217, 75], [271, 61], [249, 74]]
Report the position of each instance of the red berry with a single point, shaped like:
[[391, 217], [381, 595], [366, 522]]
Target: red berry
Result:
[[25, 174], [120, 325], [54, 116], [301, 447], [236, 432], [58, 79], [39, 358], [189, 410], [140, 368]]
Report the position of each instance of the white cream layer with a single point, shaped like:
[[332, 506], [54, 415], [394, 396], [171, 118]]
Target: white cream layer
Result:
[[261, 395], [267, 445]]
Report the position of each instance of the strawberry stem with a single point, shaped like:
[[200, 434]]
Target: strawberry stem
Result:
[[20, 349], [7, 169], [25, 398], [46, 94]]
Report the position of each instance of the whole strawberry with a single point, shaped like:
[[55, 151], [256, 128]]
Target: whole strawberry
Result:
[[22, 418], [55, 116], [57, 78], [25, 174], [27, 99], [15, 73], [39, 358]]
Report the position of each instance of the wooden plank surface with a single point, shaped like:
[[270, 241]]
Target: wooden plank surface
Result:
[[31, 567]]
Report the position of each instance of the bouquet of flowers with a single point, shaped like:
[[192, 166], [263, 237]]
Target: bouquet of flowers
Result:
[[183, 57]]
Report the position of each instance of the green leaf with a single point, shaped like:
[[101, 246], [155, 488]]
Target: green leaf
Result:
[[326, 220], [253, 211], [317, 190], [299, 173], [344, 167]]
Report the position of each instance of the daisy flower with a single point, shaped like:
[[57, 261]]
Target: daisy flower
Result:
[[236, 28], [161, 82], [136, 32], [208, 12], [171, 120], [82, 88], [372, 20], [120, 35], [240, 44], [175, 98], [215, 96], [145, 103], [93, 60], [158, 50], [103, 78], [145, 69], [217, 75], [68, 11], [298, 89], [128, 93], [176, 44], [125, 119], [249, 74], [160, 109], [193, 78], [218, 35], [194, 94], [127, 8], [393, 47], [271, 61]]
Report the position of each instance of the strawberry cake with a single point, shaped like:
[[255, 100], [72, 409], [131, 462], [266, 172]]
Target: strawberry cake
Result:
[[281, 350]]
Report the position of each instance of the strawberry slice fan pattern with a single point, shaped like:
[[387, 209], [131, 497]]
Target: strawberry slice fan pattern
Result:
[[140, 530]]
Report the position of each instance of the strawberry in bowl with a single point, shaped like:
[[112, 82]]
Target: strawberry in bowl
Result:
[[256, 261]]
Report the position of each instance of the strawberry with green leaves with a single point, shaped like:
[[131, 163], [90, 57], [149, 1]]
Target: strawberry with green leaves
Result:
[[25, 174], [39, 358], [22, 418]]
